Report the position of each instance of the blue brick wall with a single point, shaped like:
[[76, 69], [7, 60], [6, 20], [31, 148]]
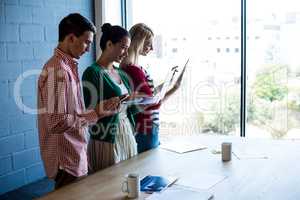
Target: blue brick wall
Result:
[[32, 33], [28, 35], [9, 33], [10, 70], [2, 19], [2, 52]]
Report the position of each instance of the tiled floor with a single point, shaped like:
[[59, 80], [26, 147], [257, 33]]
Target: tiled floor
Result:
[[30, 191]]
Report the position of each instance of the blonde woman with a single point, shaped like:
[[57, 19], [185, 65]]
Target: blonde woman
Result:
[[147, 122]]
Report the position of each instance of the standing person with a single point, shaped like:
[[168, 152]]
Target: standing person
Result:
[[61, 115], [112, 138], [147, 122]]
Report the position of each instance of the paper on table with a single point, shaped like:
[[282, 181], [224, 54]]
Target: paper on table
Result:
[[182, 147], [200, 181], [179, 192], [242, 153]]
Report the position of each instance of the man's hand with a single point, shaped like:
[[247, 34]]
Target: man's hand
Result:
[[108, 107], [81, 121]]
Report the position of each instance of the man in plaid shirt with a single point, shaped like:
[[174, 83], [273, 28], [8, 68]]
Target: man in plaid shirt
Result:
[[62, 119]]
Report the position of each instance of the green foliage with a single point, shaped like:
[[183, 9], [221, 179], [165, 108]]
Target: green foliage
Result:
[[225, 122], [259, 111], [266, 87], [266, 90], [294, 105]]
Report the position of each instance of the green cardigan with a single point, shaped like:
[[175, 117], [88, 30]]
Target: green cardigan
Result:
[[104, 88]]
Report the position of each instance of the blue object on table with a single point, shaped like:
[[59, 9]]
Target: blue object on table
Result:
[[153, 183]]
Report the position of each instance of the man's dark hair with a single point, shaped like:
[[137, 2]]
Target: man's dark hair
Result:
[[76, 24]]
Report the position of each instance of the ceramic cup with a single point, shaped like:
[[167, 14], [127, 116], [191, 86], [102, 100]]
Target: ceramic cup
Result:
[[226, 151], [131, 185]]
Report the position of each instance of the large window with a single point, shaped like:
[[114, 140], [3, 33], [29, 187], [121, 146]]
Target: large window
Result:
[[209, 98], [273, 68], [209, 33]]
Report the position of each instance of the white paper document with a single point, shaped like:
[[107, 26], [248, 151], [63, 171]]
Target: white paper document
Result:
[[181, 193], [242, 153], [200, 181], [161, 94], [155, 99], [143, 101], [182, 147]]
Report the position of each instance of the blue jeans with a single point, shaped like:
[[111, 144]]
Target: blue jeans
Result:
[[147, 141]]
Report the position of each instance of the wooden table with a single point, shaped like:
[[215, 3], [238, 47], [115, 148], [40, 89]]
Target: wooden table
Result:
[[275, 178]]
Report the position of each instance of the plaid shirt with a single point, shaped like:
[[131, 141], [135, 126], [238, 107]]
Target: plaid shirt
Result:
[[63, 142]]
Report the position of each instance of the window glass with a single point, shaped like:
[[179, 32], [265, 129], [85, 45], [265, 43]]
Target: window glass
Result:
[[273, 29], [112, 12], [207, 32]]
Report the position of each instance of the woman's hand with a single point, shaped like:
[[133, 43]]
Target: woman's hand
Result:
[[179, 80], [175, 86], [136, 95], [103, 109], [81, 121], [108, 107]]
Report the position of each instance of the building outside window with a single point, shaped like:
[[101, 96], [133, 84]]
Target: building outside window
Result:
[[209, 99]]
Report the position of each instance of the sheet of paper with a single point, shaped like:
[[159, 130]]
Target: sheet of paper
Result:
[[179, 192], [143, 101], [133, 101], [243, 153], [158, 97], [200, 181], [149, 100], [181, 146], [168, 81]]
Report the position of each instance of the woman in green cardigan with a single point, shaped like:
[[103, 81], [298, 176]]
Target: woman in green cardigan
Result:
[[112, 138]]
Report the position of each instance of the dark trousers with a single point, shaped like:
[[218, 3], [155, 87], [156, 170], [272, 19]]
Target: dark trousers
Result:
[[147, 141], [64, 178]]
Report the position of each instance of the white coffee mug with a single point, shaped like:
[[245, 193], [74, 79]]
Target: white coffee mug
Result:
[[131, 185], [226, 151]]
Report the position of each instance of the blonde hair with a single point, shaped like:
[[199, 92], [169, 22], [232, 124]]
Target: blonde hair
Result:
[[139, 33]]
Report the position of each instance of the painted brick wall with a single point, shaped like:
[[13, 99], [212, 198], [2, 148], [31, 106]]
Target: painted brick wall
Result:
[[28, 35]]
